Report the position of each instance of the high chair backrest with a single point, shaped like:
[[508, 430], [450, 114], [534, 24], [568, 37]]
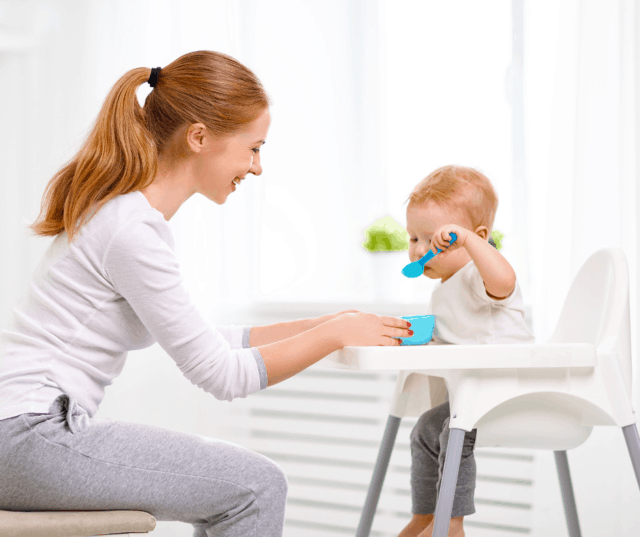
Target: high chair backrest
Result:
[[596, 309]]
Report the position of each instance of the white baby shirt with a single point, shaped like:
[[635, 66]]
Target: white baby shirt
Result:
[[466, 315], [116, 288]]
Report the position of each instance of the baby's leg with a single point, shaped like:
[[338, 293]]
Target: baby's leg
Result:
[[425, 449]]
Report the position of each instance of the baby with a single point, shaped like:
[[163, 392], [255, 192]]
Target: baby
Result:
[[478, 300]]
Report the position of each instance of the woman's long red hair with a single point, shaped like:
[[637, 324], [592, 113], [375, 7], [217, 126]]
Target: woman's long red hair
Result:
[[120, 155]]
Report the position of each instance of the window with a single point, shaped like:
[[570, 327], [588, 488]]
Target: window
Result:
[[372, 97]]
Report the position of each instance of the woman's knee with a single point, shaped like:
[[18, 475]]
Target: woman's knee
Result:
[[274, 484]]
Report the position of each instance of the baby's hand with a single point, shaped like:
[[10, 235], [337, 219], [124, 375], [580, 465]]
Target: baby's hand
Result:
[[442, 236]]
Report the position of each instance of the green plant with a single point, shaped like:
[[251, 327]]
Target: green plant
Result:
[[386, 235], [497, 238]]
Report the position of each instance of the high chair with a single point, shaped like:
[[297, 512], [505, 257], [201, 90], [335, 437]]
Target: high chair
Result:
[[539, 396], [74, 523]]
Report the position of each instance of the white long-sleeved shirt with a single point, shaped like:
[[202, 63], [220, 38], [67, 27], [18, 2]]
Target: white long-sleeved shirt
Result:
[[116, 288], [466, 315]]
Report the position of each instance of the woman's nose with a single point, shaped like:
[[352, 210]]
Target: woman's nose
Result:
[[256, 168]]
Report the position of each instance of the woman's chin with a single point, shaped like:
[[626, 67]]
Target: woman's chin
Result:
[[218, 198]]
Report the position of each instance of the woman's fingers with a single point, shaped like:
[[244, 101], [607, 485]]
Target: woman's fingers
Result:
[[398, 327], [401, 332], [395, 322]]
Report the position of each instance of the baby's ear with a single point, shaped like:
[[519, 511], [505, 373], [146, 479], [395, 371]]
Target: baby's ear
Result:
[[482, 232]]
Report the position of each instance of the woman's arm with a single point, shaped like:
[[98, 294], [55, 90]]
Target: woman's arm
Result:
[[285, 358], [270, 333]]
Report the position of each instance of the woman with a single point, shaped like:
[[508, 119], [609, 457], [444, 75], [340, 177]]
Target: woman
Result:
[[110, 283]]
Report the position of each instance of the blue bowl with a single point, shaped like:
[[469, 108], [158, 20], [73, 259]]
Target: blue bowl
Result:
[[422, 326]]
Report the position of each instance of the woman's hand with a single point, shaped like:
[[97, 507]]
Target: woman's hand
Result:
[[328, 317], [442, 236], [368, 329]]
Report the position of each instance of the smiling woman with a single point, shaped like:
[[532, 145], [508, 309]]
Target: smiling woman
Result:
[[110, 283]]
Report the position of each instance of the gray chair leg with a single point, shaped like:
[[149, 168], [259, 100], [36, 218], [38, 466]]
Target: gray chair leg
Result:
[[444, 505], [633, 445], [568, 499], [379, 473]]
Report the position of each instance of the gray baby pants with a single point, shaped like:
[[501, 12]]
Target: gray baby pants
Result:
[[429, 440], [65, 460]]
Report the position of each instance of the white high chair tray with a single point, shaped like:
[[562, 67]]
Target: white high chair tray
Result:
[[432, 357]]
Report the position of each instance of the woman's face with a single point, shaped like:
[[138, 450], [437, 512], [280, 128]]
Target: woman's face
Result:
[[223, 162]]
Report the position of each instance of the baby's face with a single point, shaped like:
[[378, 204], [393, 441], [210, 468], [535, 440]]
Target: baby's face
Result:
[[423, 220]]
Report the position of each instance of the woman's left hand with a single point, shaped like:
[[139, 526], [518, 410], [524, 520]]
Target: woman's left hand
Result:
[[442, 236]]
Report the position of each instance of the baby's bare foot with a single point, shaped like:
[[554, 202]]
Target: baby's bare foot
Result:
[[455, 529], [416, 525]]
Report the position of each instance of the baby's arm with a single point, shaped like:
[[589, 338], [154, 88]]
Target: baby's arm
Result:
[[498, 275]]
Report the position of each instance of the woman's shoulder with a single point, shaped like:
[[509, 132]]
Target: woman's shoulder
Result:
[[129, 210], [129, 218]]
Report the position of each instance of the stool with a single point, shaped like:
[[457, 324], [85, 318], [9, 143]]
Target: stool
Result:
[[74, 523]]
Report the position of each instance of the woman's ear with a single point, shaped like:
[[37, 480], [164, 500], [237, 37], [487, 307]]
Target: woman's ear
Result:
[[195, 136]]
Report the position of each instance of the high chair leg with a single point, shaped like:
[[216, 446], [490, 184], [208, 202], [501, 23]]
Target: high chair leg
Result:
[[379, 473], [568, 499], [447, 492], [633, 445]]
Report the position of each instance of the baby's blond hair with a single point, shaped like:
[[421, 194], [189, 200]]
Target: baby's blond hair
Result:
[[460, 187]]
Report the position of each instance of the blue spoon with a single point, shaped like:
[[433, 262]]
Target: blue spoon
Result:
[[415, 269]]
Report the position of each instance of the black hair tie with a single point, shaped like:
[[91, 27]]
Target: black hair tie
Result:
[[153, 78]]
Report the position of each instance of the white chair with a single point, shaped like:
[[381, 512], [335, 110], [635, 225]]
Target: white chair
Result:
[[74, 523], [541, 396]]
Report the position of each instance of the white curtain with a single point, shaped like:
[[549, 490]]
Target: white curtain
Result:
[[580, 101]]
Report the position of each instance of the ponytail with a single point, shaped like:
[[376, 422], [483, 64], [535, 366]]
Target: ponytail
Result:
[[119, 156]]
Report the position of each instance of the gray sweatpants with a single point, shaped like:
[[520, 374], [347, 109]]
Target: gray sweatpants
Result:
[[65, 460], [429, 440]]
